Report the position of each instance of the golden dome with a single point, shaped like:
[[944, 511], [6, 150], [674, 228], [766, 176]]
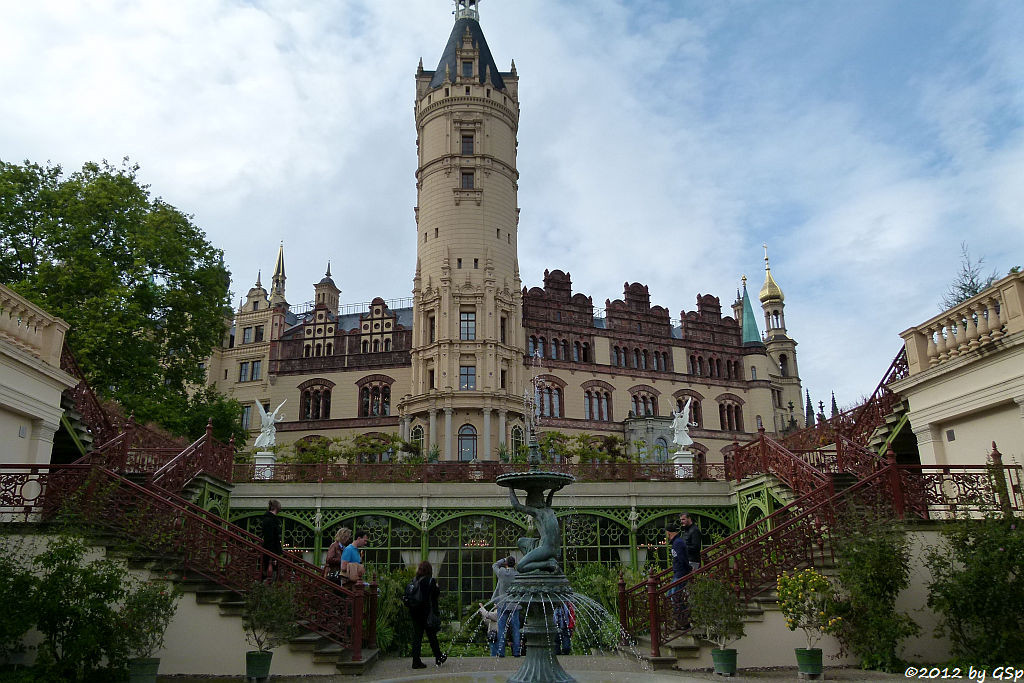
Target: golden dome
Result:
[[770, 291]]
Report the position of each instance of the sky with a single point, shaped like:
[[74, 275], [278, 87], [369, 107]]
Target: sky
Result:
[[660, 142]]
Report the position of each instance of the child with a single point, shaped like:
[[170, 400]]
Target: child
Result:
[[490, 619]]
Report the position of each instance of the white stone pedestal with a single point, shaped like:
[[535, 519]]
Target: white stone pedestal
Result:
[[683, 460], [265, 465]]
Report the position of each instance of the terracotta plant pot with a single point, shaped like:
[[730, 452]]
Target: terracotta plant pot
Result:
[[808, 661], [725, 661], [143, 670], [257, 664]]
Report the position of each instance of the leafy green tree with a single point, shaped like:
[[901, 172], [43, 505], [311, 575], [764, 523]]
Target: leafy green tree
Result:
[[144, 291]]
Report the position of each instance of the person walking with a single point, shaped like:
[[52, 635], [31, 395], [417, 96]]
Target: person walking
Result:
[[271, 529], [421, 599], [565, 622], [490, 619], [508, 610], [332, 565], [692, 538], [680, 568], [352, 569]]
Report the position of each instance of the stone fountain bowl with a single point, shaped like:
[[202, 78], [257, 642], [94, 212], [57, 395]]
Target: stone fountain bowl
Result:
[[535, 480]]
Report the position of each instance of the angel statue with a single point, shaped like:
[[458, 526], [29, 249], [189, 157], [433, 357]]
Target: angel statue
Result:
[[681, 426], [268, 426]]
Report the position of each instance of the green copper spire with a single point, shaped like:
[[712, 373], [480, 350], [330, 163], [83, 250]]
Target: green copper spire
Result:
[[751, 335]]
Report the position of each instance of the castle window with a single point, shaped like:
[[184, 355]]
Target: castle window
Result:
[[458, 263], [259, 333], [243, 371], [416, 437], [501, 328], [784, 365], [586, 352], [565, 350], [467, 144], [476, 263], [644, 403], [430, 379], [467, 90], [655, 359], [643, 360], [315, 403], [330, 349], [255, 305], [576, 351], [376, 345], [532, 346], [467, 378], [518, 441], [467, 443], [432, 327], [467, 68], [366, 346], [246, 416], [467, 180], [387, 345], [753, 372], [467, 325], [504, 378], [306, 350], [317, 349], [730, 416], [436, 232], [257, 366], [636, 358], [554, 349], [540, 347], [247, 335]]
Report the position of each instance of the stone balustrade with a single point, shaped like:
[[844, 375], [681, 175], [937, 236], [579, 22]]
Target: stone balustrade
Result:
[[976, 323], [30, 328]]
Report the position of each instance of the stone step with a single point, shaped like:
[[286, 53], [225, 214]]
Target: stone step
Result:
[[348, 667]]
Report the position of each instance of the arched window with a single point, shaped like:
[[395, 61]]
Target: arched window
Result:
[[317, 349], [556, 402], [718, 367], [576, 351], [693, 365], [385, 401], [753, 372], [416, 437], [554, 349], [517, 439], [540, 346], [387, 344], [784, 365], [606, 403], [660, 450], [565, 350], [306, 350], [315, 401], [586, 352], [364, 402], [636, 406], [700, 366], [532, 346], [636, 358], [656, 360], [366, 346], [375, 396], [330, 349], [695, 415], [587, 415], [467, 443], [664, 361], [376, 345]]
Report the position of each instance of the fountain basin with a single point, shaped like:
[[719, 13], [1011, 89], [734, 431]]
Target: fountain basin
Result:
[[535, 480]]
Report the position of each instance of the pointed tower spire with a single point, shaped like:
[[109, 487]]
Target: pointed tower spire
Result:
[[277, 286], [835, 407], [259, 275], [808, 411], [328, 273], [751, 335]]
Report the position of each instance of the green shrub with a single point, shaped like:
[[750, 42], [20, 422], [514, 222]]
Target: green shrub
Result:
[[75, 605], [394, 628], [270, 615], [715, 611], [977, 588], [145, 615], [874, 567], [16, 586]]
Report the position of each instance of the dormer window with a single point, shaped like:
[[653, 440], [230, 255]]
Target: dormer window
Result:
[[467, 68], [255, 305]]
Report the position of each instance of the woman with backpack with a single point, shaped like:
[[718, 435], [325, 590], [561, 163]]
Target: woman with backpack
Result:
[[332, 566], [421, 599]]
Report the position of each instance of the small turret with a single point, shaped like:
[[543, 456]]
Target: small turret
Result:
[[326, 292], [277, 287]]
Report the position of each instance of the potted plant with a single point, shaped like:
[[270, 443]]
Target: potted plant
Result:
[[269, 621], [143, 619], [717, 615], [808, 602]]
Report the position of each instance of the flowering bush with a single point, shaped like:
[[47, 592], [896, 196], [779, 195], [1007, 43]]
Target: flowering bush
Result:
[[145, 616], [808, 602]]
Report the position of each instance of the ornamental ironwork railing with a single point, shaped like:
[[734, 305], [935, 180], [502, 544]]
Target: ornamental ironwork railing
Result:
[[154, 523], [858, 423], [442, 472], [806, 533]]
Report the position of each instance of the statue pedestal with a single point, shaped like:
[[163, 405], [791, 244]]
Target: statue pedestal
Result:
[[683, 460], [264, 465]]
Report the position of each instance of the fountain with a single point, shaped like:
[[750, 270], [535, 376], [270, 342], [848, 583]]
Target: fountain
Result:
[[540, 579]]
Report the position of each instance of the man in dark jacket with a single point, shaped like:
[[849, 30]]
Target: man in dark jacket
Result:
[[680, 568], [691, 535]]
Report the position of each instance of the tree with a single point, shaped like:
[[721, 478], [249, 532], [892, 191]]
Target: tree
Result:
[[968, 282], [144, 291]]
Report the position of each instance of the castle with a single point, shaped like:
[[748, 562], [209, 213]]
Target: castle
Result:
[[448, 368]]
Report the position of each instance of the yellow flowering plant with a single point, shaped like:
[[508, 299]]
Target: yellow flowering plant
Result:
[[808, 602]]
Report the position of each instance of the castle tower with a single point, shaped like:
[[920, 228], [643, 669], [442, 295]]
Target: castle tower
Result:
[[278, 303], [781, 348], [467, 350], [326, 292]]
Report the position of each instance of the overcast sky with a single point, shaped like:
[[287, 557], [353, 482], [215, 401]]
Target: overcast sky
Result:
[[659, 142]]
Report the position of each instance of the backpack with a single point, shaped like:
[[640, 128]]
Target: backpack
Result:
[[415, 596], [571, 621]]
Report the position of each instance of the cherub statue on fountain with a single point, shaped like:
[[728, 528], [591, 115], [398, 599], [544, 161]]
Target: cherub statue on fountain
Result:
[[544, 554]]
